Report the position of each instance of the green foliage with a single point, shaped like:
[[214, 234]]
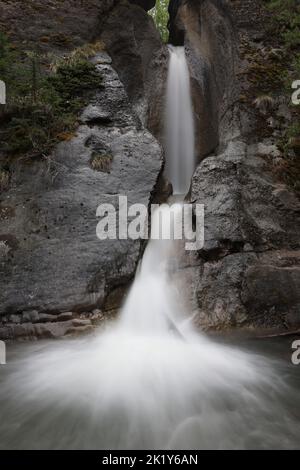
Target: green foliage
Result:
[[286, 17], [71, 81], [161, 16], [42, 107], [292, 38]]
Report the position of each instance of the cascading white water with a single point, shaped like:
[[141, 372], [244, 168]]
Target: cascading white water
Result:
[[179, 123], [148, 381]]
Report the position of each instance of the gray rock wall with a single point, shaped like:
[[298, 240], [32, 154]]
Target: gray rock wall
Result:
[[51, 258], [248, 273], [140, 59]]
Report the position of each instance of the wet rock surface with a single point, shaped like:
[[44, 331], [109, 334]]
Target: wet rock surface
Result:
[[19, 327]]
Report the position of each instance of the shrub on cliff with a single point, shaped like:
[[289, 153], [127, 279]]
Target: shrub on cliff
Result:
[[43, 101]]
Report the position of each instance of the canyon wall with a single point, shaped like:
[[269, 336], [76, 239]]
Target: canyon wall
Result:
[[247, 275], [55, 275]]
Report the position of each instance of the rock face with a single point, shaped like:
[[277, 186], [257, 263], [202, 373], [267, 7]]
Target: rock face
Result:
[[140, 59], [51, 25], [248, 273], [51, 260], [250, 262]]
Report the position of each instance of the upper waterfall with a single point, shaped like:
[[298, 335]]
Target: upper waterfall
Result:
[[179, 123]]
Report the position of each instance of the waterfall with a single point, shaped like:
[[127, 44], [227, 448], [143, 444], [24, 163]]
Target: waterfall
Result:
[[148, 380], [152, 304], [179, 123]]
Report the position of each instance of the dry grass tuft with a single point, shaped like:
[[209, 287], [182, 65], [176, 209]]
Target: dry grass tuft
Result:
[[82, 53], [101, 162], [264, 103], [4, 180]]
